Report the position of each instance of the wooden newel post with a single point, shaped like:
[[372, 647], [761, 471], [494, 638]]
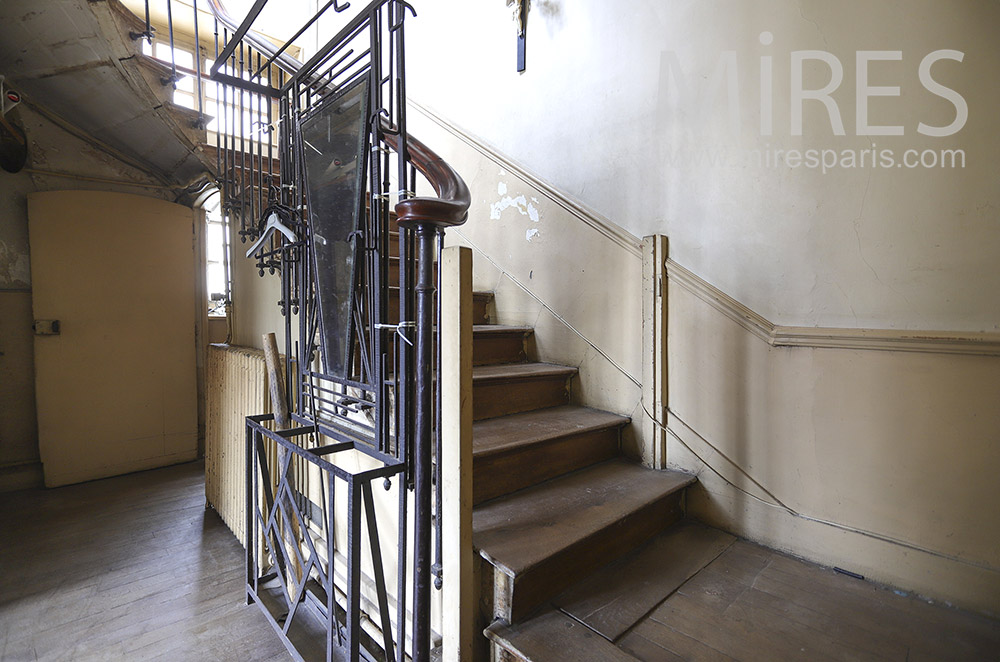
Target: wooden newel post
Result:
[[456, 440]]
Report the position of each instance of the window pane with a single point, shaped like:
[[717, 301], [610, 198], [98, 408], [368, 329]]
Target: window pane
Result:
[[182, 57], [213, 243], [216, 280], [184, 99]]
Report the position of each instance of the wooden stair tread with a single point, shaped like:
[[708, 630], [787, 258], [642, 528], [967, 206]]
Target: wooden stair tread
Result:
[[554, 636], [614, 598], [490, 329], [519, 531], [520, 372], [508, 433]]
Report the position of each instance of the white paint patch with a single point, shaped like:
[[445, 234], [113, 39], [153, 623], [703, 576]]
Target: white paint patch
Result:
[[532, 212], [534, 199], [531, 234], [519, 203], [498, 207]]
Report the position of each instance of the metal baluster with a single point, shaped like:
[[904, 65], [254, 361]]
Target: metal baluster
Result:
[[197, 67], [426, 235], [173, 57], [438, 562]]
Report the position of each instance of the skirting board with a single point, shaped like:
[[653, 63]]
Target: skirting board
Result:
[[22, 476]]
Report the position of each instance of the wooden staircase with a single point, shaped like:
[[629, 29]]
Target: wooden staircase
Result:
[[554, 498]]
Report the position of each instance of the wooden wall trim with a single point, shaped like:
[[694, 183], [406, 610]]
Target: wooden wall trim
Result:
[[886, 340]]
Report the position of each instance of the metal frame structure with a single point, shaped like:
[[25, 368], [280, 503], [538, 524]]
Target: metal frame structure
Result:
[[383, 408]]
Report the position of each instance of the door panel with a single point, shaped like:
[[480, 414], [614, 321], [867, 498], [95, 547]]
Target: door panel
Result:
[[116, 389]]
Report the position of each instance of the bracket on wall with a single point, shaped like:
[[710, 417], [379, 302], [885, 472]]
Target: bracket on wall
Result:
[[8, 97], [521, 16], [13, 142]]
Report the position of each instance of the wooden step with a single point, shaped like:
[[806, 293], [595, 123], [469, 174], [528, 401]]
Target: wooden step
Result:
[[493, 344], [589, 619], [553, 636], [615, 597], [498, 390], [481, 303], [517, 451], [543, 538]]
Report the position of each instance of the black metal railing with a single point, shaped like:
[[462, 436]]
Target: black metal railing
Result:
[[294, 577], [383, 402]]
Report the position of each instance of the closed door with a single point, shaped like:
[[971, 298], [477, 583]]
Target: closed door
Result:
[[115, 381]]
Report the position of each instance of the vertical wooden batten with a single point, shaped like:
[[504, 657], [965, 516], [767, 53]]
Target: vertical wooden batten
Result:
[[456, 440], [652, 431]]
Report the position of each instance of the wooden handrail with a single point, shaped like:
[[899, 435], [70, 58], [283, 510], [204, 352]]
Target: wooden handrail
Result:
[[451, 207]]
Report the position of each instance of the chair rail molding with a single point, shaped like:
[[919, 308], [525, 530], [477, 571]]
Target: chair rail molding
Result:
[[891, 340]]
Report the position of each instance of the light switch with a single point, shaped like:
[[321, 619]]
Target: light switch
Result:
[[46, 327]]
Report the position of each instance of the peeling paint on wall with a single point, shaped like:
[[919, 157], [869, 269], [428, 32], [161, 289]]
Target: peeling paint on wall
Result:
[[531, 234], [15, 270], [520, 203]]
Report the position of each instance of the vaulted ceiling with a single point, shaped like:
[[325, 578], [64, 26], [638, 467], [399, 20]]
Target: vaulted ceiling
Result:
[[74, 59]]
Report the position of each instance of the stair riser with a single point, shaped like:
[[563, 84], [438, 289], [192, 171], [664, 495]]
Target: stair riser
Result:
[[515, 599], [502, 474], [496, 348], [491, 399]]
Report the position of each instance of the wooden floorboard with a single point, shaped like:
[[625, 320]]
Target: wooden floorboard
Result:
[[752, 603], [749, 604], [127, 568], [615, 597]]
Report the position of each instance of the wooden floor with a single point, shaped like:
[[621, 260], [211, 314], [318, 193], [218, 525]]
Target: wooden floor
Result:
[[135, 568], [698, 594], [128, 568], [755, 604]]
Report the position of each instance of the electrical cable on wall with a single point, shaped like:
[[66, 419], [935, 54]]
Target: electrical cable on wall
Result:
[[780, 505]]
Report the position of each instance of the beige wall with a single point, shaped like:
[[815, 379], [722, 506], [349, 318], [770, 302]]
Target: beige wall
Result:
[[598, 115], [896, 452], [255, 300]]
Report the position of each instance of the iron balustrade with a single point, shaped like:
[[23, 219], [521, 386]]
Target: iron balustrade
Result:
[[382, 406]]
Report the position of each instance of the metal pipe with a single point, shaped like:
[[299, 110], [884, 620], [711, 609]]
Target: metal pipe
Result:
[[173, 57], [426, 234], [197, 67], [438, 455]]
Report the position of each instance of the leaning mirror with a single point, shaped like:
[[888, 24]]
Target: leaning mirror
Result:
[[333, 141]]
